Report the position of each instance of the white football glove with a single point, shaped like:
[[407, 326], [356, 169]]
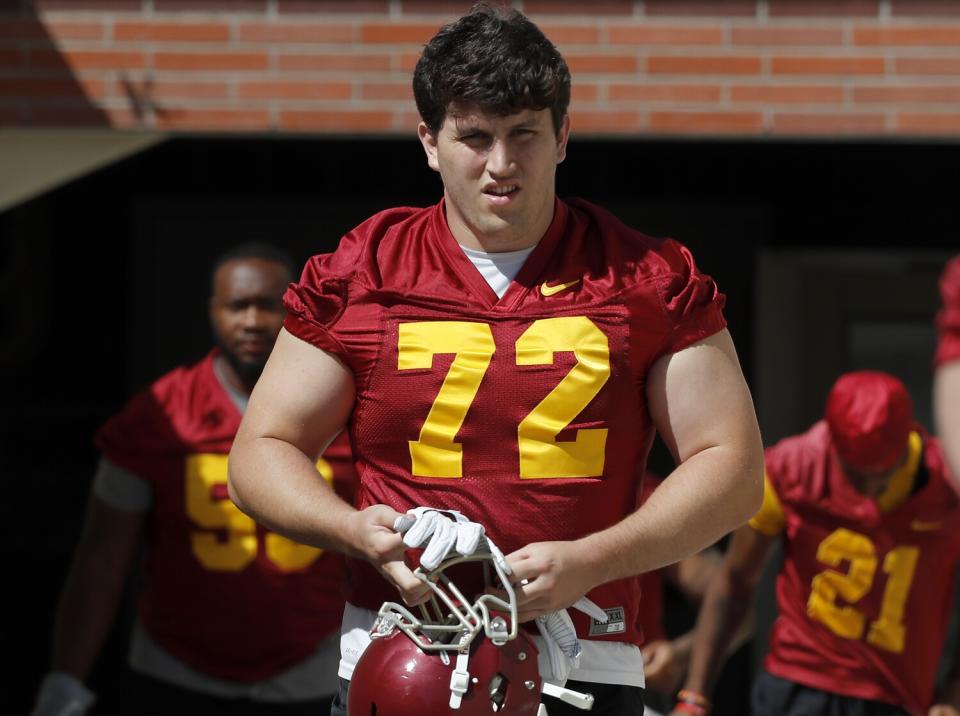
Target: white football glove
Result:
[[444, 530], [560, 637], [62, 695]]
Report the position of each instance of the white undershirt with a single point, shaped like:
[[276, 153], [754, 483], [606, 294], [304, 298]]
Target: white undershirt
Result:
[[499, 269]]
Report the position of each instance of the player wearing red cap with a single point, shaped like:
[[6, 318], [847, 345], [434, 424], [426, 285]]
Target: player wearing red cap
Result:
[[870, 531], [946, 391]]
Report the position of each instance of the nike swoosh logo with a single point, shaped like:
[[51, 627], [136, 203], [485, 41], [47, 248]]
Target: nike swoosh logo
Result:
[[921, 526], [553, 290]]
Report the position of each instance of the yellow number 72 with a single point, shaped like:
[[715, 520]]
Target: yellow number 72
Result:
[[436, 454]]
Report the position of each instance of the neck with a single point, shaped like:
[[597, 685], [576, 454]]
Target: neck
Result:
[[235, 378], [521, 234]]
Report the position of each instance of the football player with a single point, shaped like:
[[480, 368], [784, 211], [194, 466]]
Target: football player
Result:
[[870, 528], [507, 355], [230, 615], [946, 388]]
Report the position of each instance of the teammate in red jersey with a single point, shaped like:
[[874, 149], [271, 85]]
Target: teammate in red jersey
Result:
[[946, 389], [507, 355], [870, 530], [230, 616]]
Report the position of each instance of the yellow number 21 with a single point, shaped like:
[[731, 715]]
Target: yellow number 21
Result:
[[887, 632]]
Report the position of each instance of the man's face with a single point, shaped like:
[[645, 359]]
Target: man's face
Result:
[[498, 174], [246, 310]]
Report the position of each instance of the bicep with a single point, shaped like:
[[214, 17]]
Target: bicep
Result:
[[303, 397], [698, 398]]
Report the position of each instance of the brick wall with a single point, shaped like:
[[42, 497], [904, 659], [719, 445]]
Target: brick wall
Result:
[[711, 67]]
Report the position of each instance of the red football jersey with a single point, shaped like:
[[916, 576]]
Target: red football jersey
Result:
[[948, 320], [526, 413], [221, 593], [864, 596]]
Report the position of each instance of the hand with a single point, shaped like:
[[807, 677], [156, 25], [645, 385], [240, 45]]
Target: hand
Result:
[[373, 538], [62, 695], [550, 576], [441, 531], [662, 669]]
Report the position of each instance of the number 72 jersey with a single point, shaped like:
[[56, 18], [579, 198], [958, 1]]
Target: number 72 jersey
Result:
[[527, 412], [864, 595]]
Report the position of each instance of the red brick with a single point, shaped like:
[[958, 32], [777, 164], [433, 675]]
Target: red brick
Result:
[[930, 35], [330, 6], [663, 93], [208, 6], [86, 59], [75, 30], [294, 90], [706, 122], [571, 34], [907, 94], [829, 123], [396, 33], [70, 116], [408, 60], [215, 119], [925, 8], [665, 35], [171, 32], [927, 65], [38, 87], [206, 61], [773, 36], [451, 8], [828, 66], [334, 63], [784, 94], [18, 28], [578, 7], [386, 90], [584, 92], [698, 8], [296, 32], [829, 8], [345, 121], [87, 5], [585, 121], [701, 65], [166, 90], [602, 64], [11, 59], [947, 124]]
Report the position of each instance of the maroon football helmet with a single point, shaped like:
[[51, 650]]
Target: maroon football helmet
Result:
[[465, 657]]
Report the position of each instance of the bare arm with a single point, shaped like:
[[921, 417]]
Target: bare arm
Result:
[[300, 403], [94, 585], [946, 397], [728, 601], [702, 407]]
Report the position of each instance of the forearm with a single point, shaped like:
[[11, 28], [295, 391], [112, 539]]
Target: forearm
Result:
[[94, 587], [278, 485], [707, 496], [724, 611]]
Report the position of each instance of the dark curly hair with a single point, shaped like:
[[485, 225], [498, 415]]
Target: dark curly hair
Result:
[[496, 59]]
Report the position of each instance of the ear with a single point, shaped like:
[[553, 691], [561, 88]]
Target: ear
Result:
[[429, 141], [562, 136]]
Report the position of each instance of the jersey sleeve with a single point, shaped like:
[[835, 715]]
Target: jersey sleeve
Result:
[[948, 319], [121, 488], [316, 304], [139, 436], [692, 303], [769, 519]]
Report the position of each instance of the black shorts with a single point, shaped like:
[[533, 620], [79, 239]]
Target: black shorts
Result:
[[773, 696], [610, 700]]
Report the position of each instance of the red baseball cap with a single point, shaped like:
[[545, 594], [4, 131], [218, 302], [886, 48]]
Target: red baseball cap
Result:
[[870, 415]]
